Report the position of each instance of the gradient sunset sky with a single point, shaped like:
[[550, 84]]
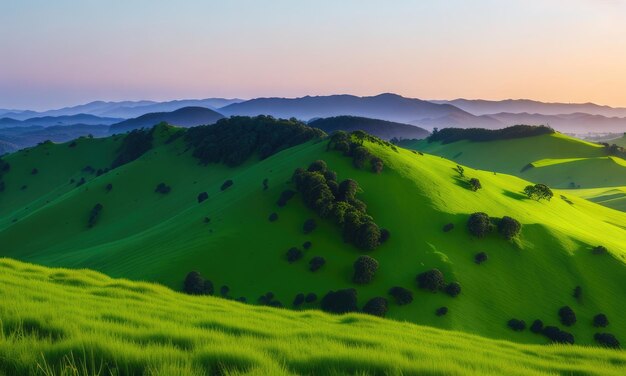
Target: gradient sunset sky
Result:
[[62, 52]]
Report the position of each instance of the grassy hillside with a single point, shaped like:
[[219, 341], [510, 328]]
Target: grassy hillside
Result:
[[554, 159], [614, 197], [123, 327], [144, 235], [619, 141]]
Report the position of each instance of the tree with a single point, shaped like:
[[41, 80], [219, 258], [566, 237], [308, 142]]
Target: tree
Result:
[[309, 225], [265, 184], [285, 196], [377, 165], [202, 197], [293, 254], [316, 263], [307, 244], [479, 224], [509, 227], [600, 320], [441, 311], [401, 295], [163, 188], [600, 250], [578, 293], [224, 290], [475, 184], [607, 340], [460, 170], [480, 257], [368, 236], [448, 227], [94, 215], [538, 192], [340, 301], [517, 325], [377, 306], [567, 315], [310, 297], [298, 300], [537, 326], [384, 235], [347, 190], [432, 280], [108, 187], [318, 166], [365, 268], [227, 184], [195, 284], [273, 217], [453, 289]]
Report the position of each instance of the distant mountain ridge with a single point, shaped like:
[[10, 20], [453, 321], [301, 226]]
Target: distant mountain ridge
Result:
[[379, 128], [47, 121], [184, 117]]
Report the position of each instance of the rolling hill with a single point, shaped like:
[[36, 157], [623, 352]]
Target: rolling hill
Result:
[[164, 214], [185, 117], [621, 141], [379, 128], [62, 321], [48, 121]]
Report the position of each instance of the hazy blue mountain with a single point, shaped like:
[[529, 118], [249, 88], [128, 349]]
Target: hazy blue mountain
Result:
[[47, 121], [185, 117], [380, 128], [571, 123], [128, 112], [15, 138]]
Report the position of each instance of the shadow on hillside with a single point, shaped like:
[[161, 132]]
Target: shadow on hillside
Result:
[[461, 182], [514, 195]]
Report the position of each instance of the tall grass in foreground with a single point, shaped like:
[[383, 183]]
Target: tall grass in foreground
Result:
[[65, 322]]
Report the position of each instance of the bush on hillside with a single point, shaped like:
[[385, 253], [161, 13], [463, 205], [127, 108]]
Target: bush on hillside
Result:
[[600, 320], [509, 227], [401, 295], [135, 144], [537, 326], [448, 227], [599, 250], [431, 280], [309, 225], [195, 284], [227, 184], [265, 184], [318, 166], [340, 301], [607, 340], [298, 300], [310, 297], [293, 254], [453, 289], [557, 335], [72, 144], [108, 187], [285, 196], [224, 290], [273, 217], [480, 257], [479, 224], [81, 182], [538, 192], [567, 316], [365, 268], [316, 263], [94, 215], [475, 184], [377, 165], [441, 311], [163, 188], [307, 244], [517, 325], [377, 306], [460, 170], [202, 197]]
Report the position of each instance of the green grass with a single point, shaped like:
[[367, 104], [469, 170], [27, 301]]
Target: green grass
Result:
[[556, 159], [79, 322], [621, 141], [614, 197], [142, 235]]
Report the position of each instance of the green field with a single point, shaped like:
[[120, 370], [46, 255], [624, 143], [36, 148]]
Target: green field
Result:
[[143, 235], [79, 322], [614, 197]]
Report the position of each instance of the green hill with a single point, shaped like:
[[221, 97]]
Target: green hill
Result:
[[621, 141], [123, 327], [145, 235], [614, 197], [554, 159]]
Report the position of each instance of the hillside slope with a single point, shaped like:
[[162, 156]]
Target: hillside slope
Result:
[[379, 128], [184, 117], [145, 235], [127, 327]]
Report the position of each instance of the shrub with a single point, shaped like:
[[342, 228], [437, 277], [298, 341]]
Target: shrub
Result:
[[441, 311], [202, 197], [273, 217], [318, 166], [538, 192], [480, 257], [453, 289], [365, 268], [316, 263], [306, 245], [567, 315], [578, 293], [557, 335], [285, 196], [298, 300], [340, 301], [310, 297], [195, 284], [384, 235], [377, 306], [449, 227], [599, 250], [360, 156], [309, 225], [509, 227], [368, 236], [432, 280], [293, 254], [600, 320], [479, 224], [347, 190], [517, 325], [460, 170], [607, 340], [108, 187], [224, 290], [401, 295], [94, 215], [227, 184], [537, 326], [475, 184], [206, 220], [330, 176], [377, 165], [163, 188]]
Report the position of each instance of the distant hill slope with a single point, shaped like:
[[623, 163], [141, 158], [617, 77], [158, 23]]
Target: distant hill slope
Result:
[[48, 121], [573, 163], [572, 123], [619, 141], [389, 107], [485, 107], [124, 327], [164, 214], [185, 117], [380, 128]]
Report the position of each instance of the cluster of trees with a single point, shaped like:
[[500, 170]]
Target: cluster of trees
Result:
[[401, 295], [135, 144], [480, 225], [163, 188], [195, 284], [377, 306], [268, 299], [614, 150], [607, 340], [433, 280], [365, 268], [232, 141], [300, 299], [340, 301], [351, 144], [94, 215], [321, 192], [4, 168], [449, 135], [538, 192], [553, 333]]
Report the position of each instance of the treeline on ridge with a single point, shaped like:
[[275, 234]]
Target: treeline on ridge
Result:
[[449, 135]]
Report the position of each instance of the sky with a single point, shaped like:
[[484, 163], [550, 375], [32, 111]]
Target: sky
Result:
[[65, 52]]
